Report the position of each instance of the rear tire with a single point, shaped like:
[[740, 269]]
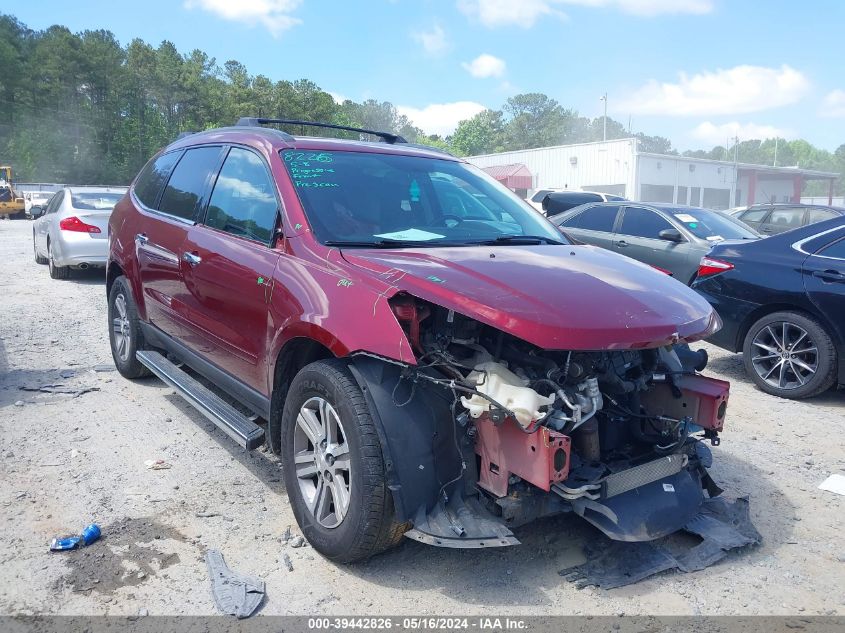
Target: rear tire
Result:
[[125, 335], [56, 272], [324, 396], [38, 258], [789, 354]]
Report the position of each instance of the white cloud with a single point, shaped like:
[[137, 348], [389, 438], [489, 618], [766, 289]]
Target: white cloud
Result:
[[653, 7], [434, 41], [719, 134], [485, 66], [524, 13], [338, 98], [833, 104], [736, 90], [441, 118], [274, 15]]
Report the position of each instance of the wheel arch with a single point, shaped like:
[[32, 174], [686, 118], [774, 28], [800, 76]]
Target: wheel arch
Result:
[[295, 354], [771, 308]]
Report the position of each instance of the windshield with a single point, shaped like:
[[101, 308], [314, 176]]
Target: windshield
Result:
[[362, 198], [95, 200], [712, 225]]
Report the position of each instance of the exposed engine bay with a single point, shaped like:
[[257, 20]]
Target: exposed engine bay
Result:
[[614, 436]]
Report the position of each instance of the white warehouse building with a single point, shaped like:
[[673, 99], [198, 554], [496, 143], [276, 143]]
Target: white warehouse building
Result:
[[619, 168]]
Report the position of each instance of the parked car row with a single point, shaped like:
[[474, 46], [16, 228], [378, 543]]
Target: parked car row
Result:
[[666, 236]]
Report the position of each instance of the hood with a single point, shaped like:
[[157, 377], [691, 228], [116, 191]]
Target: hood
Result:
[[556, 297]]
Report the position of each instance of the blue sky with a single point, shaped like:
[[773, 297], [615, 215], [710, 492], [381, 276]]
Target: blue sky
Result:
[[696, 71]]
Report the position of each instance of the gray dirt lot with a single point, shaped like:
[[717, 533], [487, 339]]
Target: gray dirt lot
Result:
[[68, 460]]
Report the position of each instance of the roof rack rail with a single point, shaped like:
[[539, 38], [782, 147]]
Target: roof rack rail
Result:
[[388, 137]]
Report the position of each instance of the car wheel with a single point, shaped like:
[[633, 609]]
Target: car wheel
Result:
[[790, 355], [333, 466], [39, 259], [125, 333], [56, 272]]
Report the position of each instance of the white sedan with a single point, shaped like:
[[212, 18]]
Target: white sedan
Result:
[[72, 231]]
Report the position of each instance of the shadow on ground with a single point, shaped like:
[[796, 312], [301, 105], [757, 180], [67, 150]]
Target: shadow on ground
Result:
[[731, 367]]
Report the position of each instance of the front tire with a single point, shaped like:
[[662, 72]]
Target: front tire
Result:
[[333, 466], [789, 354], [56, 272], [125, 333]]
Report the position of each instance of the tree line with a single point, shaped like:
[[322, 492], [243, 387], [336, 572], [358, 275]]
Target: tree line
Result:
[[81, 108]]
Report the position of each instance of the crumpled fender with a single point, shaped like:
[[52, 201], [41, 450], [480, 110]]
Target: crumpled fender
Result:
[[414, 423]]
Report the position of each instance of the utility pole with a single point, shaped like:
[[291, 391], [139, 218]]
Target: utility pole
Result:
[[736, 172], [775, 163], [604, 134]]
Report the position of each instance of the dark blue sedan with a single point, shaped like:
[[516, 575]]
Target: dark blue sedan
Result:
[[782, 301]]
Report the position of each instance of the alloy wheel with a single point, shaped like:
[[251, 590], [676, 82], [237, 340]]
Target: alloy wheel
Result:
[[784, 355], [121, 328], [322, 462]]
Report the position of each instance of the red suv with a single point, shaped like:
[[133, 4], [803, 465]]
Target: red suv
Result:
[[428, 355]]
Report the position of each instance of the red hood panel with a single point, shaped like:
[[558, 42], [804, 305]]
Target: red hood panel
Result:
[[573, 297]]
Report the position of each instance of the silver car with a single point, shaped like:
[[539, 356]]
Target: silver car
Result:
[[72, 230]]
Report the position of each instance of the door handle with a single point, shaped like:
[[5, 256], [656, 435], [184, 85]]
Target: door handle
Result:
[[141, 238], [622, 243], [191, 259], [829, 275]]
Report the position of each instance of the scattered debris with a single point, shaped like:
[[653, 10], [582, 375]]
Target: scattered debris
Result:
[[19, 403], [287, 562], [234, 593], [156, 464], [60, 389], [297, 541], [88, 536], [723, 525], [286, 536], [834, 483], [103, 368], [206, 514]]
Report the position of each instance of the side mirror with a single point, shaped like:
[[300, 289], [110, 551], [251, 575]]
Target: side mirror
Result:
[[36, 211], [671, 235]]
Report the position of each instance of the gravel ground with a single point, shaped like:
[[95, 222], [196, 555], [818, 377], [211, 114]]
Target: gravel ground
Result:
[[75, 453]]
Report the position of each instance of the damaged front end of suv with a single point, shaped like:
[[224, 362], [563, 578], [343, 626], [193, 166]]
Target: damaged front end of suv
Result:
[[486, 431]]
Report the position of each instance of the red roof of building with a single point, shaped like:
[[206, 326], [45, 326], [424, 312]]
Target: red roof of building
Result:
[[515, 176]]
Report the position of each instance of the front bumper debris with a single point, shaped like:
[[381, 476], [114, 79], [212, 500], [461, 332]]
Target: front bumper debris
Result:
[[723, 525]]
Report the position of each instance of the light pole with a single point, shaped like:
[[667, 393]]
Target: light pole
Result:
[[604, 120]]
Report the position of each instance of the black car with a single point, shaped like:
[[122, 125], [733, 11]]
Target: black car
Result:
[[771, 219], [782, 301], [555, 202]]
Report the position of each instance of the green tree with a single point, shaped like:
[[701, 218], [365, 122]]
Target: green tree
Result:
[[482, 134], [535, 120]]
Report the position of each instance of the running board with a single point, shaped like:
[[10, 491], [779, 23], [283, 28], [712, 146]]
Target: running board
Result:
[[229, 420]]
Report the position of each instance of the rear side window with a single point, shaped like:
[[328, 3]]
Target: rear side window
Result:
[[819, 215], [755, 215], [639, 222], [152, 178], [595, 219], [56, 202], [835, 250], [243, 202], [184, 190], [786, 218]]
